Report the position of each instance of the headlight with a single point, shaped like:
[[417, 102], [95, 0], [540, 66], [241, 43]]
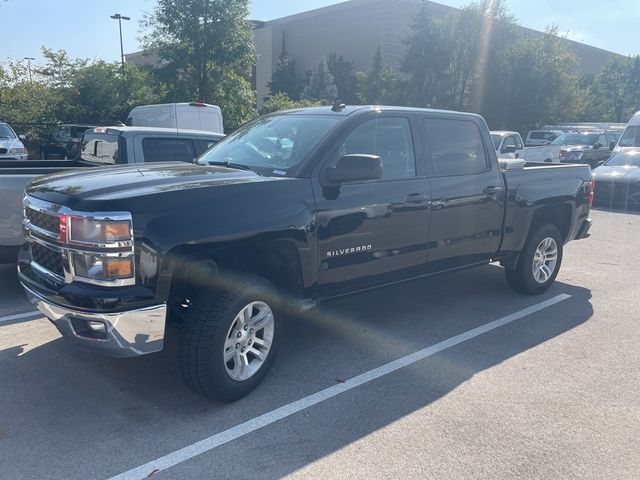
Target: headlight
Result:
[[21, 150], [99, 232], [101, 268], [573, 156]]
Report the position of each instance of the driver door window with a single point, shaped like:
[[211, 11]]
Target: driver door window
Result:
[[388, 138], [508, 142]]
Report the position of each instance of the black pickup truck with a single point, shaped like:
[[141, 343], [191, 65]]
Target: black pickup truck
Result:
[[293, 208]]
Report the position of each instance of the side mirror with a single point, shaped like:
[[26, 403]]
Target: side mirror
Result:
[[597, 146], [612, 145], [22, 138], [600, 163], [355, 168], [509, 149]]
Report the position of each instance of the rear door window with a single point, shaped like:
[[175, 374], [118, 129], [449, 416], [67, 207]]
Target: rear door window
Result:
[[456, 147], [100, 148], [168, 150]]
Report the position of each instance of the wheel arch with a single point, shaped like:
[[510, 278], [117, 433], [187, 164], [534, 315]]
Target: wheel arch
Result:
[[218, 267]]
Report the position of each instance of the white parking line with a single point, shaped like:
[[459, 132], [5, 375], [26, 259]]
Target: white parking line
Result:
[[21, 316], [195, 449]]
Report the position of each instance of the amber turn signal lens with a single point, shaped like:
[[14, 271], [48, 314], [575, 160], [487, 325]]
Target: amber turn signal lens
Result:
[[118, 268], [115, 231]]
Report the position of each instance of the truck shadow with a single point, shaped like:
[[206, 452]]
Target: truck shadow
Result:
[[132, 402]]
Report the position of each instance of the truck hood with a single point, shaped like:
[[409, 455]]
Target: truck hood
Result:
[[117, 183], [576, 148], [626, 173]]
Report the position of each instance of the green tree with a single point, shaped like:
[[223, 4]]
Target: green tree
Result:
[[280, 101], [379, 85], [208, 49], [285, 78], [97, 94], [534, 82], [321, 85], [428, 60], [615, 93], [344, 77]]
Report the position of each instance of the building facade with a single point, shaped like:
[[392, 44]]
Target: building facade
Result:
[[355, 29]]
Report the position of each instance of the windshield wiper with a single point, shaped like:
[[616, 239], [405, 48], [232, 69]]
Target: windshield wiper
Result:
[[237, 166]]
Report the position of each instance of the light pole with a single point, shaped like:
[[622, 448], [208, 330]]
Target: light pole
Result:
[[117, 16], [28, 59]]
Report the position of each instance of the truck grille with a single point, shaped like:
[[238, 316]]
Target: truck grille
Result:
[[43, 220], [47, 258]]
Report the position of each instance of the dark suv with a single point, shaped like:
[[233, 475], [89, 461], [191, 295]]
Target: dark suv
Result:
[[589, 148], [63, 142]]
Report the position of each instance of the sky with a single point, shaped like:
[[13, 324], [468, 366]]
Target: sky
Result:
[[83, 28]]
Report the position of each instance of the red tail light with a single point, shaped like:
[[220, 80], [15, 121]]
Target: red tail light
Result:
[[592, 189], [63, 222]]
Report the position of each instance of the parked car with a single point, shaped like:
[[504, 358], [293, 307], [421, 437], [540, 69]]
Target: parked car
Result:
[[617, 181], [11, 146], [366, 196], [630, 139], [100, 146], [64, 142], [509, 145], [194, 116], [588, 148], [537, 138]]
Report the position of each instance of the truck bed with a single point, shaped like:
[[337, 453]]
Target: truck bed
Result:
[[536, 185], [14, 176]]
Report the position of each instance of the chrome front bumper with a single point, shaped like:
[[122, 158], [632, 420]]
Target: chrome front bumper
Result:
[[125, 334]]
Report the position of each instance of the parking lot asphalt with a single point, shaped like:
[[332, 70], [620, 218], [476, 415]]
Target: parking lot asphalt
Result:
[[551, 394]]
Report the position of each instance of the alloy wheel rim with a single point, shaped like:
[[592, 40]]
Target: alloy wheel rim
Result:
[[249, 340], [545, 260]]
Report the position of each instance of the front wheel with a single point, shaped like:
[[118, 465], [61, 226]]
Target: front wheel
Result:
[[539, 262], [229, 339]]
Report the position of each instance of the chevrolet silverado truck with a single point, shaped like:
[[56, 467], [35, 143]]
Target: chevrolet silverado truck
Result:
[[100, 146], [289, 210]]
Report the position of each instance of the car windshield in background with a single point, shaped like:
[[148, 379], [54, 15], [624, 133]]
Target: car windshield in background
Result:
[[271, 145], [576, 139], [631, 137], [6, 132], [625, 159], [496, 140]]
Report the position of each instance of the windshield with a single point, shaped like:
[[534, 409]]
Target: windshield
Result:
[[6, 132], [625, 159], [496, 140], [274, 144], [631, 137], [576, 139]]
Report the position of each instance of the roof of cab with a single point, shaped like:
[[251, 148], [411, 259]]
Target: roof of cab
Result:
[[351, 109]]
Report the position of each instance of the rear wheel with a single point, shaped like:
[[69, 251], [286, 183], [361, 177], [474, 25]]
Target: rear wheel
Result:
[[539, 262], [229, 339]]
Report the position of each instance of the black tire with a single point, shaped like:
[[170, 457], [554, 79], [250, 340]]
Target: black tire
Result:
[[521, 278], [205, 326]]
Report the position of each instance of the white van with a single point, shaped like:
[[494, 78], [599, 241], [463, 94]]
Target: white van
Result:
[[183, 116], [631, 136]]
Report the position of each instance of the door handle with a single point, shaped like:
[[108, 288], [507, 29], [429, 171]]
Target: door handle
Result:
[[492, 190]]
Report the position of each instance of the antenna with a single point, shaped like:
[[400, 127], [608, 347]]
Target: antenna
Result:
[[338, 106]]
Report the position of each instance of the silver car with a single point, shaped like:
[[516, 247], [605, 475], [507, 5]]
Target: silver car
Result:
[[11, 145]]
